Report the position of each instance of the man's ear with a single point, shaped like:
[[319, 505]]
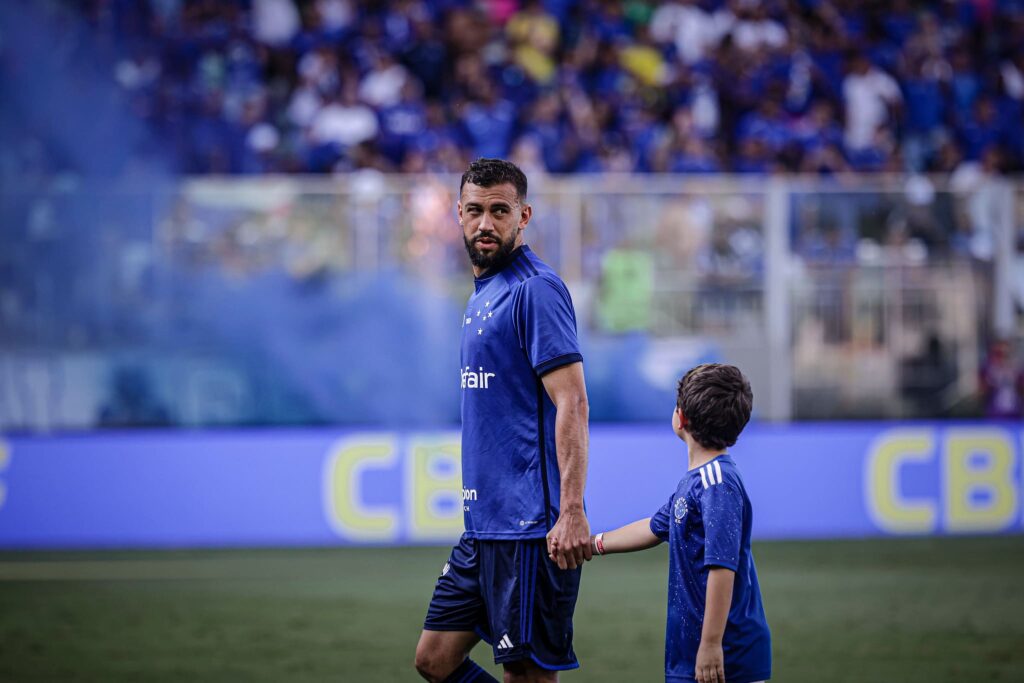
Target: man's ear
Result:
[[682, 418], [524, 216]]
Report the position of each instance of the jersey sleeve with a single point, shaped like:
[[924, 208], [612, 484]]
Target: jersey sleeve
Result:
[[660, 520], [722, 514], [545, 324]]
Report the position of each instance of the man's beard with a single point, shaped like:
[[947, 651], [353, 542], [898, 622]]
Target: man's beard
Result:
[[498, 258]]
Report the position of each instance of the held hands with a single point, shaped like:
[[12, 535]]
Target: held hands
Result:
[[569, 543], [710, 663]]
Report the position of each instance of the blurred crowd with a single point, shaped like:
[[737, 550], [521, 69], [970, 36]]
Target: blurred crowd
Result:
[[683, 86]]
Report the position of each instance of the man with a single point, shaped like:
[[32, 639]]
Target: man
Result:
[[514, 576]]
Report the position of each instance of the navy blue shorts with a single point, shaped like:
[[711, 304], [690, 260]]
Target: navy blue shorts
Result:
[[512, 596]]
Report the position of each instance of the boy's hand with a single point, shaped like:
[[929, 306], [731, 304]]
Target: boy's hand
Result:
[[710, 663]]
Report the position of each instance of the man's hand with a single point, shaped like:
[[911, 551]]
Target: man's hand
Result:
[[710, 663], [569, 540]]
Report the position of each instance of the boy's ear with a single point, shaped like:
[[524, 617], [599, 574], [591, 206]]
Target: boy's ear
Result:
[[679, 422]]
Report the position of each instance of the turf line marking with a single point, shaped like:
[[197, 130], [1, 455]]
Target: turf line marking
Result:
[[125, 570]]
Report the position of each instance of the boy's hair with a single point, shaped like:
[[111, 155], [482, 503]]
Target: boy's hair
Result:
[[716, 401], [491, 172]]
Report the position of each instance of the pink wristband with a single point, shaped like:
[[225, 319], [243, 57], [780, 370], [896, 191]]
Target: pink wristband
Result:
[[599, 543]]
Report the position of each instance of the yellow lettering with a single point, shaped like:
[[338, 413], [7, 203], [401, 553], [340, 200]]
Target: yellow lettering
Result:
[[981, 494], [886, 505], [434, 483], [343, 471]]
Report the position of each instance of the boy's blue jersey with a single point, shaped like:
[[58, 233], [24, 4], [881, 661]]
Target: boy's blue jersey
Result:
[[707, 523], [519, 324]]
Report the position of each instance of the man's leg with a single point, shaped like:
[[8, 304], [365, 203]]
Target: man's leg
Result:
[[456, 618], [441, 654], [525, 671], [530, 604]]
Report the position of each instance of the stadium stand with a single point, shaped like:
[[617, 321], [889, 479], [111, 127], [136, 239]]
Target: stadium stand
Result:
[[569, 86]]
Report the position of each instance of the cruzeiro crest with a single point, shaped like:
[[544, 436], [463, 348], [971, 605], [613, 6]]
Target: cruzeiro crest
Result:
[[680, 509]]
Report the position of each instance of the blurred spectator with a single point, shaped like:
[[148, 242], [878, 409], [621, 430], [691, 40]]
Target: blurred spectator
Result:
[[818, 129], [402, 123], [768, 124], [978, 132], [753, 30], [1012, 73], [131, 402], [688, 27], [534, 37], [728, 268], [695, 156], [831, 244], [489, 121], [825, 161], [627, 287], [339, 126], [1002, 382], [382, 85], [644, 61], [924, 87], [965, 85], [336, 16], [925, 377], [426, 56], [275, 22], [872, 99], [981, 204]]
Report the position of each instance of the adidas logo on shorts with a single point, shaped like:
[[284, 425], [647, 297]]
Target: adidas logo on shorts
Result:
[[505, 643]]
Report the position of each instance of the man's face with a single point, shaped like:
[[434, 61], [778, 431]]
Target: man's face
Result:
[[492, 221]]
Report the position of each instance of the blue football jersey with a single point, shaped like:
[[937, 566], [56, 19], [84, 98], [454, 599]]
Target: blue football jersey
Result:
[[707, 523], [519, 324]]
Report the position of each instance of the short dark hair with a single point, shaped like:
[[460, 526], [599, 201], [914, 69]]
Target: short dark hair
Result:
[[491, 172], [716, 401]]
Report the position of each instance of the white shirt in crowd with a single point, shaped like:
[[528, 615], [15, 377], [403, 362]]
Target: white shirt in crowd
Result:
[[382, 87], [346, 125], [693, 31], [753, 35], [275, 22], [867, 97]]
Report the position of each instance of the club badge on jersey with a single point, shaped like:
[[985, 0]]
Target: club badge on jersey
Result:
[[680, 510]]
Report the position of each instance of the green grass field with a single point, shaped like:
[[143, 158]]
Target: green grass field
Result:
[[928, 610]]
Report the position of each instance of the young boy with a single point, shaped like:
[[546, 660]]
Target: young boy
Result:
[[716, 629]]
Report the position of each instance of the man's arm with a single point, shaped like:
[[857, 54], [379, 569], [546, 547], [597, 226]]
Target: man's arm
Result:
[[569, 539], [629, 538], [710, 658]]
